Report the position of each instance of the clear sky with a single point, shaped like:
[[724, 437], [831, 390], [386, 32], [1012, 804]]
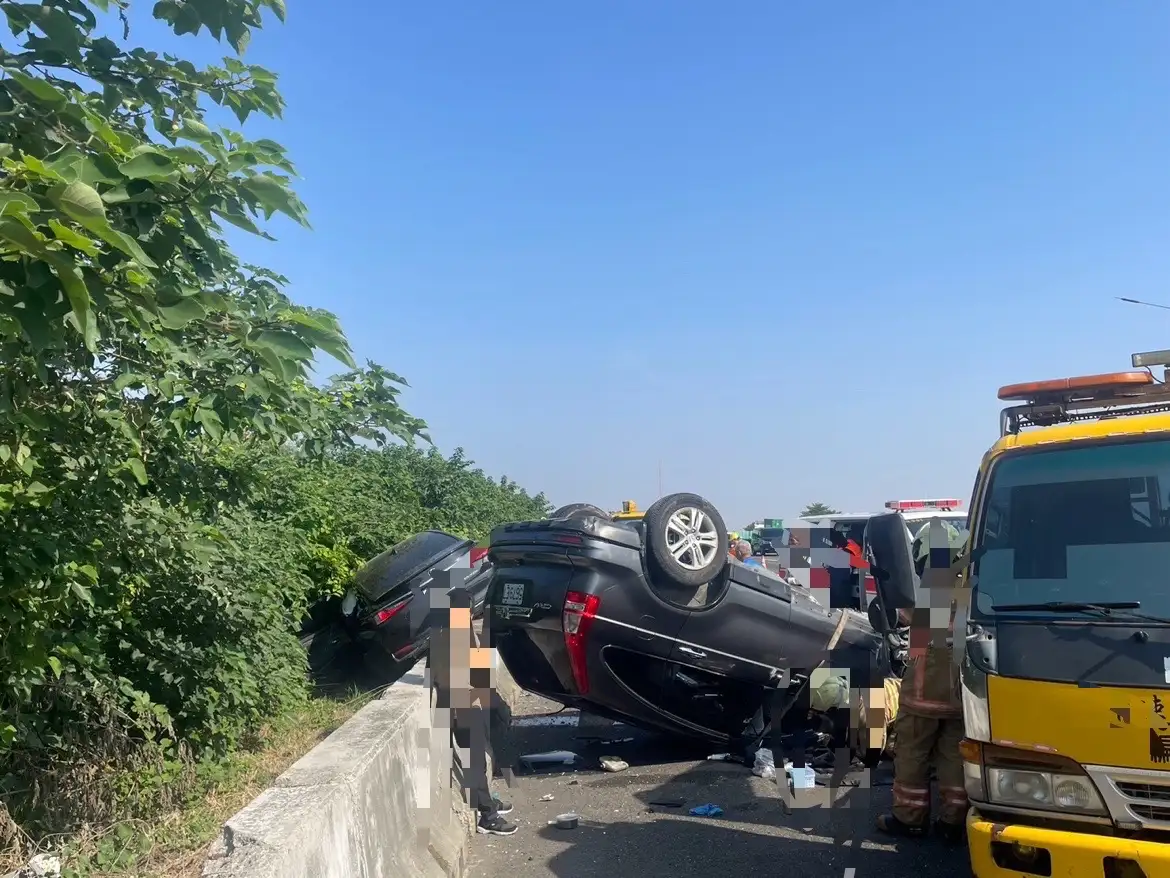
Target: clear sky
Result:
[[787, 250]]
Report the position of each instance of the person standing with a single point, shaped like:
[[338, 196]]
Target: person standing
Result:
[[743, 553], [461, 674], [929, 725]]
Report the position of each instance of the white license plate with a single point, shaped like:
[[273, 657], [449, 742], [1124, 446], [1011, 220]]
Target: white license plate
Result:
[[513, 594]]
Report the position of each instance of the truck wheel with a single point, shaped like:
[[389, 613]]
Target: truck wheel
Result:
[[686, 539], [580, 510]]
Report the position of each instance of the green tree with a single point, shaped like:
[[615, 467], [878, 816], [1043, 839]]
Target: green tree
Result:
[[814, 510], [138, 358]]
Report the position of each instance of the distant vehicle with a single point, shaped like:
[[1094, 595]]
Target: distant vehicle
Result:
[[826, 570], [650, 622]]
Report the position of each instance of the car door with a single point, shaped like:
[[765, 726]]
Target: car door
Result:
[[637, 625], [729, 653]]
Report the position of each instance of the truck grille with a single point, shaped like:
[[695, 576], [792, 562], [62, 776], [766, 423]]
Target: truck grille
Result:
[[1132, 796]]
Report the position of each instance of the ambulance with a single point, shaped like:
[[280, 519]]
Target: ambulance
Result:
[[806, 552]]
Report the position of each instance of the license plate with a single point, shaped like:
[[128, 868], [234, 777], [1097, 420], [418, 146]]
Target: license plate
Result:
[[513, 595]]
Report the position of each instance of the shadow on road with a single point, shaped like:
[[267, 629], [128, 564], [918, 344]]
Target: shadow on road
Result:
[[670, 847]]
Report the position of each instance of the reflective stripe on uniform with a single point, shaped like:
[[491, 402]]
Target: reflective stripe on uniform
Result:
[[911, 796]]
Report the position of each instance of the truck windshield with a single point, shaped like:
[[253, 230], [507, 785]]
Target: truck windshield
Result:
[[1078, 524]]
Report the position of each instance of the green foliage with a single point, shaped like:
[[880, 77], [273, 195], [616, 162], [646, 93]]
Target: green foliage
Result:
[[817, 509], [148, 602]]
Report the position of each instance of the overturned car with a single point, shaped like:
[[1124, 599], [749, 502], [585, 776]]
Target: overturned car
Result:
[[650, 622]]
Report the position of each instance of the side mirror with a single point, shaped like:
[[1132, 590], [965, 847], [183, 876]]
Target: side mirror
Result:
[[893, 563]]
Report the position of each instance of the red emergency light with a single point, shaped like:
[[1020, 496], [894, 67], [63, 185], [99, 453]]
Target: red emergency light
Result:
[[908, 505]]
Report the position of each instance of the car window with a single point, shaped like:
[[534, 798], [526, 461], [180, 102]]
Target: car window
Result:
[[1085, 524]]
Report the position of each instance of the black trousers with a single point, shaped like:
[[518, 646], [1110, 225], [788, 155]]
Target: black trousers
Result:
[[471, 728]]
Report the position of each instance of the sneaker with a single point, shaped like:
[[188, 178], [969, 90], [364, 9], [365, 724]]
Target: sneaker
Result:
[[502, 807], [495, 826]]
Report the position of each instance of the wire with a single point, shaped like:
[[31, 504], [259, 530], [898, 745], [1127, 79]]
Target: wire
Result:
[[1140, 302]]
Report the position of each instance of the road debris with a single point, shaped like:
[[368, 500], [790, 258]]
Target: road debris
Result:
[[546, 798], [552, 757], [706, 811], [612, 763], [765, 764], [565, 821]]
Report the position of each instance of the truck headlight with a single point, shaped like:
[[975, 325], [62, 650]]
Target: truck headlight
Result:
[[1028, 779]]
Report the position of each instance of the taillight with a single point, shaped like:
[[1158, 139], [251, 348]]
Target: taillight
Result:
[[477, 555], [576, 619], [568, 539], [385, 615]]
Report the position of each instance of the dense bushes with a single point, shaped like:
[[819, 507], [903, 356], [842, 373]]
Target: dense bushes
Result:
[[174, 489]]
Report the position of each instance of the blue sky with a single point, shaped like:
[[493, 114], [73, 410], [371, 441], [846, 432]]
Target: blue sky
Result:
[[787, 250]]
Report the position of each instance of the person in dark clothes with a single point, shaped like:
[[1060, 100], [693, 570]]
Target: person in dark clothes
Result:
[[461, 673]]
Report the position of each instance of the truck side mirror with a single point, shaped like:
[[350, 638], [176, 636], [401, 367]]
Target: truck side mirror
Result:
[[893, 564]]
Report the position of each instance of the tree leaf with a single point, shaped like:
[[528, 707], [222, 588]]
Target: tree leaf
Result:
[[181, 313], [283, 344], [37, 87], [81, 591], [14, 203], [210, 422], [274, 195], [138, 468], [55, 665], [73, 239], [81, 202], [78, 294], [149, 165]]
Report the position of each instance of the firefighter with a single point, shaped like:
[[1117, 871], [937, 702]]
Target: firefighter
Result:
[[929, 726]]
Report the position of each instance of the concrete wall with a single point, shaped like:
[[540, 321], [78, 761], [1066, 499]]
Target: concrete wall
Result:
[[374, 799]]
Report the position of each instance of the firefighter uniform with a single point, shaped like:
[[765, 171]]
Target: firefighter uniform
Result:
[[928, 730]]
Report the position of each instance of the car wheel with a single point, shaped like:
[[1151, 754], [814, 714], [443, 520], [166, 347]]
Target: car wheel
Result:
[[580, 510], [686, 539]]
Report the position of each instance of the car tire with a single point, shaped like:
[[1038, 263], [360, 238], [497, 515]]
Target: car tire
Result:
[[670, 521], [580, 510], [892, 552]]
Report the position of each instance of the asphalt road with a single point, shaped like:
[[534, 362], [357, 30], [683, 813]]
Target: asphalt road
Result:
[[635, 822]]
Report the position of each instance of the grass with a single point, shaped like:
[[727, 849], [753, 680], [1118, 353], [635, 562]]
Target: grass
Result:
[[174, 844]]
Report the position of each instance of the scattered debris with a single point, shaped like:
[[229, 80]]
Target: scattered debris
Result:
[[552, 757], [612, 763], [40, 866], [667, 803], [765, 764], [546, 798], [565, 821], [719, 757], [706, 811], [801, 778]]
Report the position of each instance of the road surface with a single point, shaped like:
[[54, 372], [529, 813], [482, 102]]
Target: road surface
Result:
[[634, 823]]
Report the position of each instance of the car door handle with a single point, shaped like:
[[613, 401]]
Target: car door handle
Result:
[[697, 653]]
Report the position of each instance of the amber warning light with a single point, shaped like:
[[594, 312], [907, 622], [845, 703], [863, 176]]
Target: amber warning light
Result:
[[1083, 385]]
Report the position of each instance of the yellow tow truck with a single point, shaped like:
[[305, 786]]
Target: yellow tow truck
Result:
[[628, 512], [1065, 676]]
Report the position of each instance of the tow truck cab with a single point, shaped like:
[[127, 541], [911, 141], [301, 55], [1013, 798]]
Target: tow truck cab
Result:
[[1066, 671]]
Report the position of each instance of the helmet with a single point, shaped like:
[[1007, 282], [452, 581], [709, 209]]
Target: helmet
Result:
[[956, 542]]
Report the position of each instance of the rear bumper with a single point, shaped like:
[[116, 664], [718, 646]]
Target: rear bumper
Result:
[[1071, 854]]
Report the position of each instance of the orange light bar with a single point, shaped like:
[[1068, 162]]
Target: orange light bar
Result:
[[1080, 384]]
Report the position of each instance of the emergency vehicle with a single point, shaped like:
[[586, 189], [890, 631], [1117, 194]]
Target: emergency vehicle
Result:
[[1066, 666], [826, 570]]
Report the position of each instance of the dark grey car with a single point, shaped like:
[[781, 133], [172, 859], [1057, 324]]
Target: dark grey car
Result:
[[650, 622]]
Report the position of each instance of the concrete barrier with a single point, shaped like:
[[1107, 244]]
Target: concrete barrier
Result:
[[374, 799]]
